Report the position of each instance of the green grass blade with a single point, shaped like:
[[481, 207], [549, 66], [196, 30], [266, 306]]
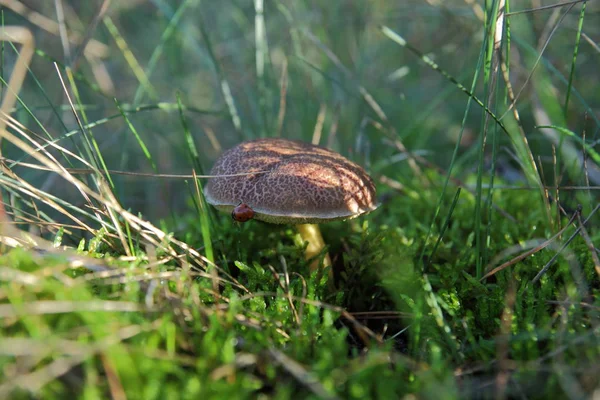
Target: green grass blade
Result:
[[574, 59], [204, 216], [130, 58], [92, 148], [446, 223], [261, 53], [189, 140], [199, 201], [489, 69], [158, 50], [590, 149], [224, 84], [400, 40], [137, 137]]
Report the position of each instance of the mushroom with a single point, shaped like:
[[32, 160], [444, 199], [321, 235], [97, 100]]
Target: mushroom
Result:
[[283, 181]]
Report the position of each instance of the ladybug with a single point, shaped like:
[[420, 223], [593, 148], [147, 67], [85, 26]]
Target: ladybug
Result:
[[242, 213]]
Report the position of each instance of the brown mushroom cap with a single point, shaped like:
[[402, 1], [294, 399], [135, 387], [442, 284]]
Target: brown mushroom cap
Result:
[[290, 182]]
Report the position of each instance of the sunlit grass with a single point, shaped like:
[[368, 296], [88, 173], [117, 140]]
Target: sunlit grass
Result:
[[477, 277]]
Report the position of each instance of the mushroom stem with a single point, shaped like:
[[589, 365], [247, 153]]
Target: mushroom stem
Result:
[[312, 234]]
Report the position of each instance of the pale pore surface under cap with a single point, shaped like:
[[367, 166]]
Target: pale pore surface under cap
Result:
[[300, 183]]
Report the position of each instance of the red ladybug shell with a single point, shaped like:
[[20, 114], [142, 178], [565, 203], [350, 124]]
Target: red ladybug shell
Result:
[[242, 213]]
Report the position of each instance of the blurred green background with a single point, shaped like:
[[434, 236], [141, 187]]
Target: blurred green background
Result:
[[315, 67]]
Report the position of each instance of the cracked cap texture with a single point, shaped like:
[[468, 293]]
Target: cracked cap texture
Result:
[[291, 182]]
